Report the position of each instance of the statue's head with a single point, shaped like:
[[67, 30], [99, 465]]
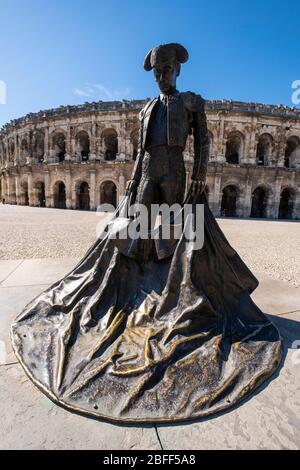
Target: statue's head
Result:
[[165, 61]]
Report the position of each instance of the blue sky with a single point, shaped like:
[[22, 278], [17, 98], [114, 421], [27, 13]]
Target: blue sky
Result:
[[67, 52]]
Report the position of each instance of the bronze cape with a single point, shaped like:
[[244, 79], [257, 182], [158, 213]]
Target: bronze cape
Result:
[[156, 340]]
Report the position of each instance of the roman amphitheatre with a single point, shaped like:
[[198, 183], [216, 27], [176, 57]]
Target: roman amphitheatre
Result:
[[77, 157]]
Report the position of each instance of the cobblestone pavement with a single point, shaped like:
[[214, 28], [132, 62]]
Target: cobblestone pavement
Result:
[[272, 247]]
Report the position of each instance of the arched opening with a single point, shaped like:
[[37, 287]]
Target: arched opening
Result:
[[234, 148], [110, 138], [259, 203], [229, 200], [83, 197], [83, 145], [286, 205], [39, 146], [292, 152], [60, 195], [108, 193], [41, 196], [264, 149], [59, 146]]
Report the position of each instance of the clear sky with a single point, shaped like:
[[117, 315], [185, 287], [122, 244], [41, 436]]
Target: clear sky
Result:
[[70, 51]]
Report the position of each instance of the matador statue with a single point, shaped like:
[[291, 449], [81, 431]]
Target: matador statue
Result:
[[149, 331]]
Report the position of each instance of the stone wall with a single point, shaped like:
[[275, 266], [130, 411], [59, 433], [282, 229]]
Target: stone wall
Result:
[[81, 156]]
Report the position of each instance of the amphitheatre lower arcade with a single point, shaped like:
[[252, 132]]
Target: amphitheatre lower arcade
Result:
[[78, 157]]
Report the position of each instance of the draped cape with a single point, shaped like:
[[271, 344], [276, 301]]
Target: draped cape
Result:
[[149, 340]]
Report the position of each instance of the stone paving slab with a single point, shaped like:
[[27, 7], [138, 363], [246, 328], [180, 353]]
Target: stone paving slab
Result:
[[274, 296], [12, 302], [29, 420], [270, 419], [288, 325], [39, 271], [7, 267]]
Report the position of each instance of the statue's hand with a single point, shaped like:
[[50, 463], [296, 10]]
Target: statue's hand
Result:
[[131, 186], [197, 187]]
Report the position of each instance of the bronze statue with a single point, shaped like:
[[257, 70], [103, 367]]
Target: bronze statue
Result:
[[150, 330]]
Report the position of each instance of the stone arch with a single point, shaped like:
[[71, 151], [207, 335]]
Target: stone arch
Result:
[[82, 190], [261, 197], [108, 193], [292, 152], [40, 193], [287, 203], [58, 144], [229, 200], [234, 147], [83, 145], [59, 194], [110, 144], [264, 149]]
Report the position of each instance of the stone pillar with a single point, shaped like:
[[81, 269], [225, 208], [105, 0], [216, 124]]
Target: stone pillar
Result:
[[296, 208], [273, 204], [46, 144], [93, 203], [121, 136], [18, 190], [15, 156], [246, 205], [246, 149], [92, 156], [281, 145], [220, 154], [68, 144], [128, 148], [48, 197], [12, 189], [30, 190], [73, 148], [253, 142], [68, 183], [8, 190], [18, 149], [216, 196], [121, 189], [2, 189]]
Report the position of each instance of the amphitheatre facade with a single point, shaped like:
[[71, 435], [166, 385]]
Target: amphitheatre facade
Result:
[[77, 157]]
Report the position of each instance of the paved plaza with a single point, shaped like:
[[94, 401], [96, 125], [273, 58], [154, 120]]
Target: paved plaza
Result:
[[38, 246]]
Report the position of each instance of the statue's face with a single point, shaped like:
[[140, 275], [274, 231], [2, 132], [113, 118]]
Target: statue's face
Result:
[[165, 76]]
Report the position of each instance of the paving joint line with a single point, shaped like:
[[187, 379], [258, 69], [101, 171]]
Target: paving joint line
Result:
[[9, 364], [27, 285], [158, 437], [3, 280]]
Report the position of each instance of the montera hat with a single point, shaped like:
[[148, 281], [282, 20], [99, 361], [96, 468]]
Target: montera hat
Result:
[[165, 53]]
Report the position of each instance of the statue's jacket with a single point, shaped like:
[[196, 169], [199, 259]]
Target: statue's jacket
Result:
[[185, 115]]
